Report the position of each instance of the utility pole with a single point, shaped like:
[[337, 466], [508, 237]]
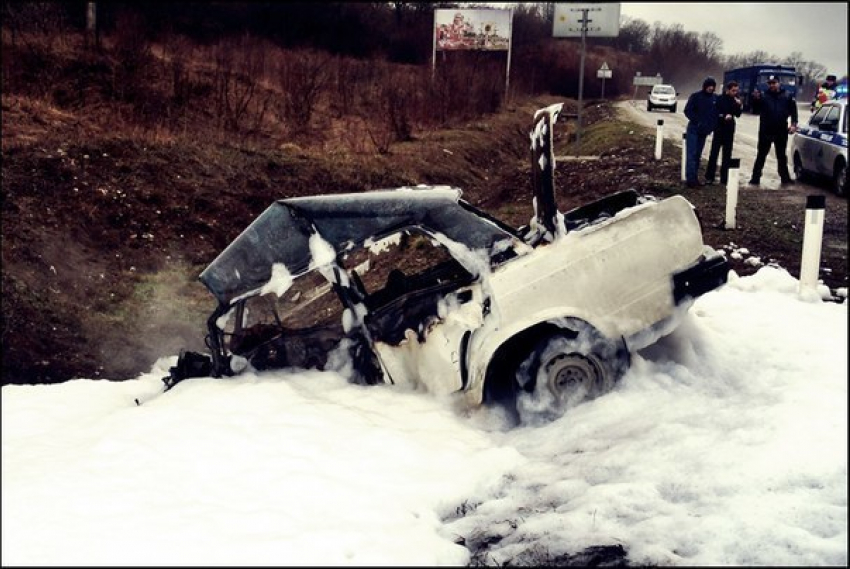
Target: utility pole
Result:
[[92, 37], [606, 23], [584, 21]]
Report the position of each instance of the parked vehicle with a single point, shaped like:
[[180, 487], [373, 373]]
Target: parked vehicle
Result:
[[754, 78], [414, 286], [819, 148], [662, 97]]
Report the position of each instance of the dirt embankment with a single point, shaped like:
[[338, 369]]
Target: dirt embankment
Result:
[[104, 235]]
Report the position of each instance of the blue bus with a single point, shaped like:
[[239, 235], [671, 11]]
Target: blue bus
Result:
[[755, 77]]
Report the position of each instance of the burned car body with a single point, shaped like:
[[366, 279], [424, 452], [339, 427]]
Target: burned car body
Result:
[[415, 286]]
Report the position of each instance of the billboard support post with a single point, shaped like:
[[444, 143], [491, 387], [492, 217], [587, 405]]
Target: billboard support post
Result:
[[434, 50], [510, 45]]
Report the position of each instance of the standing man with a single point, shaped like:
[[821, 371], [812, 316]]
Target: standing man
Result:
[[729, 107], [701, 110], [775, 108], [825, 92]]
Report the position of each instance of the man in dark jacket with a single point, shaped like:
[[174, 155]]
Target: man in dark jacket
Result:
[[775, 108], [701, 111], [728, 109]]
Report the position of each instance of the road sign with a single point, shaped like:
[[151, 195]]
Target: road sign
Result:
[[603, 20], [647, 80]]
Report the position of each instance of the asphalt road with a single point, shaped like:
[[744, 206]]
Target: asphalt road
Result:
[[746, 140]]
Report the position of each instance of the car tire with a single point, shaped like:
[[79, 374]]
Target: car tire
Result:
[[673, 109], [799, 173], [566, 369], [839, 178], [649, 107]]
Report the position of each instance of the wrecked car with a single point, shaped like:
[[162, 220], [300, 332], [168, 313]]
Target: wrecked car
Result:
[[414, 286]]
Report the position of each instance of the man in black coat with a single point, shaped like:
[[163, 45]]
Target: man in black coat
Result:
[[728, 109], [775, 108], [701, 112]]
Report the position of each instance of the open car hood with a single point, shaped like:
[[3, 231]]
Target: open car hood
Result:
[[281, 234]]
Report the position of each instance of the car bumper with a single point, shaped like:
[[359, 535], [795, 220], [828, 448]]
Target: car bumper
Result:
[[705, 276]]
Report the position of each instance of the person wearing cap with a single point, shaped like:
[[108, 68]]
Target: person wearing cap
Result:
[[775, 108], [701, 111], [826, 92], [729, 107]]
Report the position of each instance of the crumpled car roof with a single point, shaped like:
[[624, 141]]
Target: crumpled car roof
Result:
[[281, 234]]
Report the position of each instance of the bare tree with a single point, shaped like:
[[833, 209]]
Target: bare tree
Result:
[[303, 77], [239, 67], [711, 46], [35, 22], [634, 35]]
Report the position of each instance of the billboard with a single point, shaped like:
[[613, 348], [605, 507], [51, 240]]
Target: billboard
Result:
[[603, 20], [483, 29]]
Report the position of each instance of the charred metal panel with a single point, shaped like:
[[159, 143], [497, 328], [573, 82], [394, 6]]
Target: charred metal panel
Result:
[[543, 167], [278, 235]]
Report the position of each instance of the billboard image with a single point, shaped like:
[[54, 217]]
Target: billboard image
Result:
[[487, 29]]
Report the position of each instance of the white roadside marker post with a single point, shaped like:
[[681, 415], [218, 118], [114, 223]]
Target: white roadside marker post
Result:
[[812, 236], [732, 192], [659, 138], [684, 155]]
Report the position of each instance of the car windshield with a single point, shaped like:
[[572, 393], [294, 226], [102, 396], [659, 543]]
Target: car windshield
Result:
[[664, 90]]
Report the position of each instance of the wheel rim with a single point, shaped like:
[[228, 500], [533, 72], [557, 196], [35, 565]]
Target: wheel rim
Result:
[[841, 180], [573, 377]]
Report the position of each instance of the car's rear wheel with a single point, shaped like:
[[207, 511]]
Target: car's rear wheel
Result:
[[799, 173], [649, 106], [839, 179], [566, 369], [673, 109]]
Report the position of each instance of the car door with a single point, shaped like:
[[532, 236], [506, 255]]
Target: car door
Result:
[[824, 149], [422, 305], [806, 140]]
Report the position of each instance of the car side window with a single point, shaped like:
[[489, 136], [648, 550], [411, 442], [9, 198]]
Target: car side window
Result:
[[309, 303], [831, 116], [818, 116], [405, 278], [404, 263]]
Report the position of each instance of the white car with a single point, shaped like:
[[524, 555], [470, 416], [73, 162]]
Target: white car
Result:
[[414, 286], [662, 97], [819, 148]]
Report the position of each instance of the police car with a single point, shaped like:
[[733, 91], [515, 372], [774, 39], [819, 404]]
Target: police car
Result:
[[819, 148]]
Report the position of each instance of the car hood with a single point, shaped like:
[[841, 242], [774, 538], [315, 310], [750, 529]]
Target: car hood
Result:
[[282, 233]]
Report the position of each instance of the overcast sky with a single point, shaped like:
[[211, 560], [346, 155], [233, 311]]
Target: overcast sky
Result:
[[817, 29]]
